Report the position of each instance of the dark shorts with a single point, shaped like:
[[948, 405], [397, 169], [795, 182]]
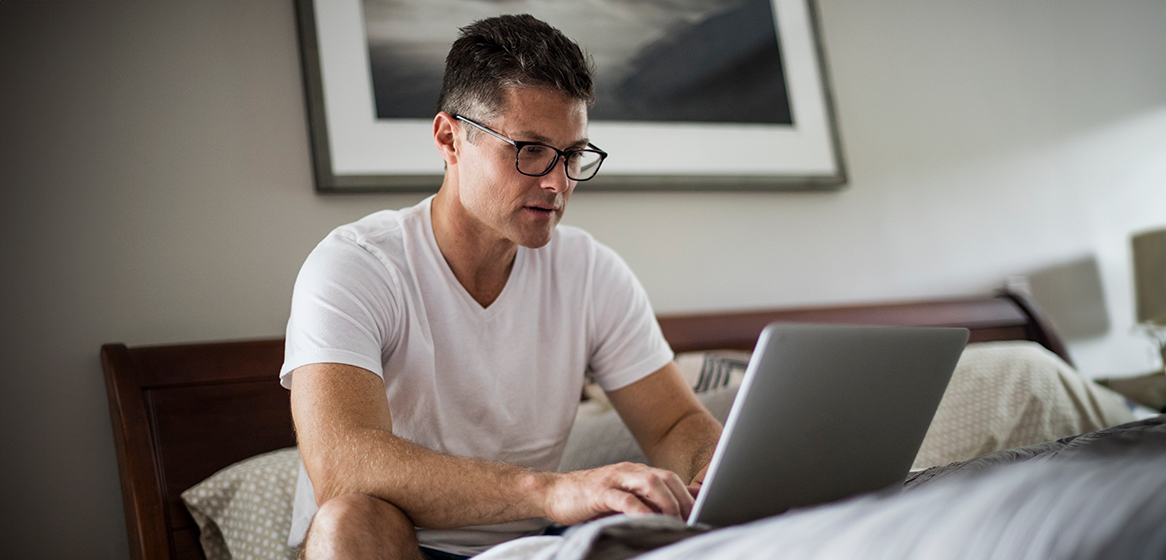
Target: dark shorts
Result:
[[431, 554]]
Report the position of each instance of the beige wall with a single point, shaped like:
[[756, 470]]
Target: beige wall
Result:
[[155, 187]]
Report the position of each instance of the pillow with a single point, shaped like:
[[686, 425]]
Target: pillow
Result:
[[715, 369], [1002, 395], [245, 510], [1011, 394]]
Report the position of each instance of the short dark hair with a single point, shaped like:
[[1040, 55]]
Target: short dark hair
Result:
[[508, 51]]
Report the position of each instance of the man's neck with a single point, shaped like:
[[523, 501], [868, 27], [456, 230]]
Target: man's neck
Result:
[[481, 262]]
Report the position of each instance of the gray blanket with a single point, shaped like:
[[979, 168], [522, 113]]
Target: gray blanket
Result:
[[1094, 496]]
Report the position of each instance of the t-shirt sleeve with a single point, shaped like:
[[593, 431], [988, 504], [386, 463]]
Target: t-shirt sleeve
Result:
[[628, 344], [343, 309]]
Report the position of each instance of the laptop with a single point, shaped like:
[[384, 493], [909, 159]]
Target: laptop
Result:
[[825, 412]]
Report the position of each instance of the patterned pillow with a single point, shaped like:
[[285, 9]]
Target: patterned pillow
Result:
[[1011, 394], [245, 510], [716, 369]]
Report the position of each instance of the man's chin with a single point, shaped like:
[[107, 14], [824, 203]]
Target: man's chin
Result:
[[535, 240], [535, 243]]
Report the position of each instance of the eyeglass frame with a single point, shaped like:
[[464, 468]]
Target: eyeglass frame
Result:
[[520, 144]]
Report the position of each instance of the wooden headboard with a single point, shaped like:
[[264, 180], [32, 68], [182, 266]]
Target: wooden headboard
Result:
[[182, 412]]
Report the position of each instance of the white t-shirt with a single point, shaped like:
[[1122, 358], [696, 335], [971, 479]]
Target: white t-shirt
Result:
[[500, 382]]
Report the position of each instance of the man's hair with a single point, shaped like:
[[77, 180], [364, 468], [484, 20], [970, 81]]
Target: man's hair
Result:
[[510, 51]]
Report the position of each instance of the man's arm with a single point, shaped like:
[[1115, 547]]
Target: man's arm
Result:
[[669, 423], [344, 429]]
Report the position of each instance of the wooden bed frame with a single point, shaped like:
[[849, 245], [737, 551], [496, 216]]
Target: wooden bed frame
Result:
[[182, 412]]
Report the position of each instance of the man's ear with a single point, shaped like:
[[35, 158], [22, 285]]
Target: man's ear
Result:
[[445, 137]]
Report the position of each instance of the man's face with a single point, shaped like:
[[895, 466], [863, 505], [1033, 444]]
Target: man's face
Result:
[[504, 202]]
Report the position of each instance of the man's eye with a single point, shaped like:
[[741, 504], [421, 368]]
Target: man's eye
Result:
[[535, 151]]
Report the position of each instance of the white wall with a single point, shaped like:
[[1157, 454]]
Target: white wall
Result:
[[984, 139], [156, 188]]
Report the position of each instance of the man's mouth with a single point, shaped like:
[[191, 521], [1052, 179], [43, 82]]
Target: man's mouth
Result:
[[547, 209]]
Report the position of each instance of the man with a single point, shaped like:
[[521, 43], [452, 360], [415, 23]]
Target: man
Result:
[[435, 354]]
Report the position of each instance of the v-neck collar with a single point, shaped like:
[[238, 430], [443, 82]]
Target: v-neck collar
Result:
[[462, 293]]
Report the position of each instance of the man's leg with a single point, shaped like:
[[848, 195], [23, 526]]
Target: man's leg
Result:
[[359, 526]]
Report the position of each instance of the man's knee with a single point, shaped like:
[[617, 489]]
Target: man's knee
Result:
[[360, 526]]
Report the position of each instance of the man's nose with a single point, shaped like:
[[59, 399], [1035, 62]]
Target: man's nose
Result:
[[556, 180]]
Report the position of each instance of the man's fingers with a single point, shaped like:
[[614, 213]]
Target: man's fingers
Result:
[[654, 489], [694, 489], [623, 488], [660, 489], [623, 501], [682, 496], [677, 495]]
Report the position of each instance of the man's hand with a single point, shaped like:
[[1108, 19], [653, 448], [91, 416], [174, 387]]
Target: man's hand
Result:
[[631, 488]]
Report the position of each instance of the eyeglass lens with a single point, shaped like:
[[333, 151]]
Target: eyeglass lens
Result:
[[538, 160]]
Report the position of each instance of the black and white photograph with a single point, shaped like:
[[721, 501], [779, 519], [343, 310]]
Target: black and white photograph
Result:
[[735, 89], [715, 61]]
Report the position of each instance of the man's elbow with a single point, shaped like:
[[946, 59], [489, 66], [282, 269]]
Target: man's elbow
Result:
[[322, 495], [327, 481]]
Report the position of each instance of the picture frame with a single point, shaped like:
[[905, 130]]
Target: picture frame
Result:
[[355, 151]]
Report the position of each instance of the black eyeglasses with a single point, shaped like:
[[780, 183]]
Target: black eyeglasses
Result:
[[535, 159]]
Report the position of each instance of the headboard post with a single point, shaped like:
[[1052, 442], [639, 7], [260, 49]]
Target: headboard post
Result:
[[1041, 329], [145, 509]]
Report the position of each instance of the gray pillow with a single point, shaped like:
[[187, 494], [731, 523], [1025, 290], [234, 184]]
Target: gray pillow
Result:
[[245, 510]]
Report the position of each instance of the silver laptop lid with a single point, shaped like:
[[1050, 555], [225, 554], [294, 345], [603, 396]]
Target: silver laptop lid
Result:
[[825, 412]]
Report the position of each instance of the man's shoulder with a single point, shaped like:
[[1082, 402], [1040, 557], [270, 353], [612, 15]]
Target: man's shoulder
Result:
[[383, 229], [374, 244], [373, 226]]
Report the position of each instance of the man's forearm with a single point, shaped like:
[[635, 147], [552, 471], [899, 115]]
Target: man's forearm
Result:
[[688, 447], [439, 491], [345, 433], [435, 490], [667, 420]]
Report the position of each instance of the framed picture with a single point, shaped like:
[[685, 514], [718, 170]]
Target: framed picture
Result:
[[702, 95]]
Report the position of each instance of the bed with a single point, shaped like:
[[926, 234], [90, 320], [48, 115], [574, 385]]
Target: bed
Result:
[[182, 412]]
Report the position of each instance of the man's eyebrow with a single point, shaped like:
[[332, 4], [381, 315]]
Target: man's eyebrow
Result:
[[530, 136]]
